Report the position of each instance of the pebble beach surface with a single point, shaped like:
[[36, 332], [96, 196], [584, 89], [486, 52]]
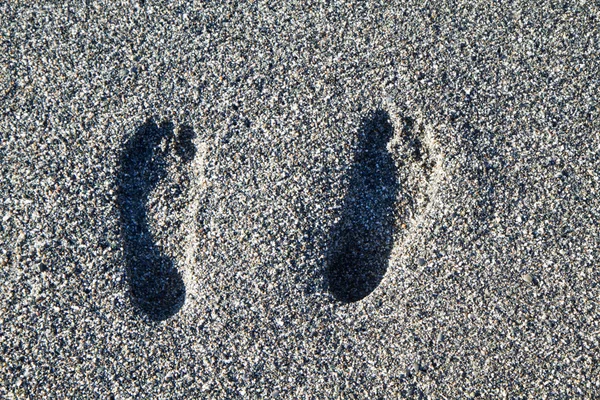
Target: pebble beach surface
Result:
[[322, 199]]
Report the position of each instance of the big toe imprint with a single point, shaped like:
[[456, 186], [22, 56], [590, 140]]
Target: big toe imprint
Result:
[[156, 287]]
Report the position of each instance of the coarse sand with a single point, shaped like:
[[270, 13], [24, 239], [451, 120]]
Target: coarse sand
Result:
[[319, 199]]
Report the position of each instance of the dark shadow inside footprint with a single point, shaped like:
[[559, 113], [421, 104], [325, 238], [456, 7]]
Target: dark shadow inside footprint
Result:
[[362, 241], [156, 286], [184, 147]]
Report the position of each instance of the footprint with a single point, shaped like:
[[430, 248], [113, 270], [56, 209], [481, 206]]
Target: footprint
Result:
[[156, 287], [364, 236], [388, 186]]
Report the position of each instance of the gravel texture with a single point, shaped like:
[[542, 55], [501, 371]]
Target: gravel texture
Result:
[[289, 199]]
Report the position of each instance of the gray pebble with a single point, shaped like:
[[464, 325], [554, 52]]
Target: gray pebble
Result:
[[416, 366], [440, 337]]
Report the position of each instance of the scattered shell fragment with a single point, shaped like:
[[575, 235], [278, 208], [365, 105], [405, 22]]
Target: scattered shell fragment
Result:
[[528, 278]]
